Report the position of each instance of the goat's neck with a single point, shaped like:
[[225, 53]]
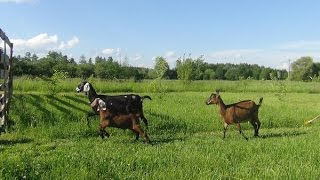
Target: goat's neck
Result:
[[222, 107], [92, 94]]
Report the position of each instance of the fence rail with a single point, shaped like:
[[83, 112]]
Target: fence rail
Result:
[[6, 80]]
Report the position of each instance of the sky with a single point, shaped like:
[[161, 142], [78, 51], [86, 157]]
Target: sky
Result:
[[269, 33]]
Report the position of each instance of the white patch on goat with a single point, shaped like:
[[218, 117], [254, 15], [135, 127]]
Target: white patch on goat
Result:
[[86, 87], [125, 96], [102, 104], [133, 97]]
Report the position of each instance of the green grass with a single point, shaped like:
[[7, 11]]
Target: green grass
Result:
[[51, 140], [25, 84]]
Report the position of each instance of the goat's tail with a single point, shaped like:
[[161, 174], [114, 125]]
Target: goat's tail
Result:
[[144, 97], [260, 101]]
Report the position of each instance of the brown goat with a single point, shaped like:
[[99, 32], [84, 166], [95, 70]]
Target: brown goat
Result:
[[123, 121], [237, 113]]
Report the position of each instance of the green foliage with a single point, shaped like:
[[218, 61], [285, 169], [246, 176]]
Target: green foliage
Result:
[[184, 69], [301, 69], [188, 69], [209, 74], [161, 67], [53, 82], [156, 86]]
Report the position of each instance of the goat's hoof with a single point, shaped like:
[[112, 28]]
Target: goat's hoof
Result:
[[102, 135]]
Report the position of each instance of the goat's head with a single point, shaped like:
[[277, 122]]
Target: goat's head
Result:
[[98, 104], [84, 86], [214, 98]]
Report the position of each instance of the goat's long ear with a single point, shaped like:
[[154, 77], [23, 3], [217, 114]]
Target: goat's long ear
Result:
[[217, 91], [94, 102]]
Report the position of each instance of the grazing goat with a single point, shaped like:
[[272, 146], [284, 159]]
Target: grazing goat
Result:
[[123, 121], [121, 104], [237, 113]]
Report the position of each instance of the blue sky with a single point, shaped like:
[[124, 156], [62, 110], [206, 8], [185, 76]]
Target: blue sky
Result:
[[266, 32]]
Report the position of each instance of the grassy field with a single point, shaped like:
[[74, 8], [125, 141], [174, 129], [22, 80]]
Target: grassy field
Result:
[[51, 140]]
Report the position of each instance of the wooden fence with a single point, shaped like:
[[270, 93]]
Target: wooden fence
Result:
[[6, 78]]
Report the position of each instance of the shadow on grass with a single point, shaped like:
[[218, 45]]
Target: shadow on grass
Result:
[[167, 129], [15, 141], [77, 99], [282, 134]]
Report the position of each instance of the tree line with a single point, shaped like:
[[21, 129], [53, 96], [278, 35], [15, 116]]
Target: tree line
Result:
[[186, 69]]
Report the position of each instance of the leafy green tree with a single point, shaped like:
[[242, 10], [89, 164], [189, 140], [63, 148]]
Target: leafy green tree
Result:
[[256, 70], [232, 74], [198, 68], [301, 69], [265, 74], [161, 67], [184, 69], [85, 70], [107, 69], [82, 60], [220, 71], [209, 74]]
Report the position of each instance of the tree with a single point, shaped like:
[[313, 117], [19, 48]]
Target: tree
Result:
[[301, 68], [107, 69], [161, 67], [184, 69], [220, 71], [232, 74], [198, 68], [82, 60], [265, 73], [209, 74]]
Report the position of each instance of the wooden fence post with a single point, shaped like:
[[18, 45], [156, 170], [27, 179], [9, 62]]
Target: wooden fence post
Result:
[[6, 81]]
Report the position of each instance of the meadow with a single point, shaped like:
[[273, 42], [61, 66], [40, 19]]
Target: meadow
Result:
[[51, 140]]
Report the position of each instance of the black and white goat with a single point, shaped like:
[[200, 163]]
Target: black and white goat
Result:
[[119, 104]]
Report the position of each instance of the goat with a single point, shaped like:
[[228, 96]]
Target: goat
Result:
[[121, 104], [123, 121], [237, 113]]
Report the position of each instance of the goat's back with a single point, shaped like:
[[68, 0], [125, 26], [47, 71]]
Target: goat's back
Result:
[[123, 104], [242, 111]]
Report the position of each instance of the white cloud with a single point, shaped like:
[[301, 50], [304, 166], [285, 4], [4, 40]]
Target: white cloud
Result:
[[137, 57], [71, 43], [108, 51], [300, 45], [272, 57], [42, 43], [170, 54], [18, 1]]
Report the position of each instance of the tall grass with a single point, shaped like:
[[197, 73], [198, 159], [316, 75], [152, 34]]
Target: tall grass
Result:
[[25, 84]]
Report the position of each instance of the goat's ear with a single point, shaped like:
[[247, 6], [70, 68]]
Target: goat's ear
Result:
[[94, 102], [217, 91]]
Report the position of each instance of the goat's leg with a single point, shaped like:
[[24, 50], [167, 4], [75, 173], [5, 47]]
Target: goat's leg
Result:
[[145, 121], [258, 127], [102, 127], [255, 127], [137, 134], [240, 131], [225, 126], [137, 128]]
